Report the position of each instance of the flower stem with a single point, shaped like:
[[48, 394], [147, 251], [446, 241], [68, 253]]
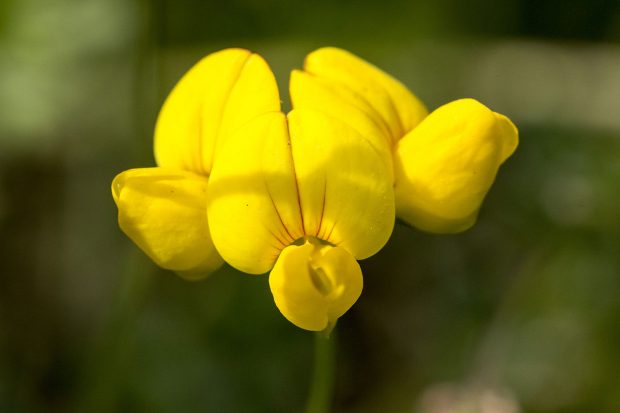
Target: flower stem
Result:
[[322, 386]]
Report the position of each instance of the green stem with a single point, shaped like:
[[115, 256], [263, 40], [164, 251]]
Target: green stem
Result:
[[322, 387]]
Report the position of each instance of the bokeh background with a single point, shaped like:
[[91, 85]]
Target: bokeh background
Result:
[[519, 314]]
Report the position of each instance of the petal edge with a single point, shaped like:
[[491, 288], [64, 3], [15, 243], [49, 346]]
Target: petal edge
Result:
[[163, 212], [447, 164]]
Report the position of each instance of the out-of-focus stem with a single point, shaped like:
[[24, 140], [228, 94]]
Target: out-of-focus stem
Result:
[[322, 386]]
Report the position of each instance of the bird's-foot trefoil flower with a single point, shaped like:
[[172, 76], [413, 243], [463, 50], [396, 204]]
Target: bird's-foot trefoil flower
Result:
[[304, 195], [301, 195], [164, 209], [444, 163]]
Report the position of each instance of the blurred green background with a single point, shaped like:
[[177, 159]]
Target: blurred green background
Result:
[[519, 314]]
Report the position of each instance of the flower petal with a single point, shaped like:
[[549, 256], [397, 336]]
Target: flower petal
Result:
[[313, 285], [345, 186], [331, 97], [400, 110], [446, 165], [164, 212], [253, 205], [219, 94]]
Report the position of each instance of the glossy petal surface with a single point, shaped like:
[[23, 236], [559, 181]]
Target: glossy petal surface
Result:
[[219, 94], [313, 284], [446, 165], [253, 205], [392, 102], [345, 186], [164, 212]]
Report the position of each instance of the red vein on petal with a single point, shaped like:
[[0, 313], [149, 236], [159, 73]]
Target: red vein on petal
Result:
[[277, 237], [318, 229], [301, 211], [292, 239]]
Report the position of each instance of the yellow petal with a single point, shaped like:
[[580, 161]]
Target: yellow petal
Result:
[[313, 284], [253, 205], [164, 212], [312, 92], [446, 165], [219, 94], [399, 109], [345, 186]]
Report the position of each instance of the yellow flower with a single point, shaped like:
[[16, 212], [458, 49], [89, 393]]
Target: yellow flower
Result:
[[307, 194], [444, 163], [303, 195], [164, 209]]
